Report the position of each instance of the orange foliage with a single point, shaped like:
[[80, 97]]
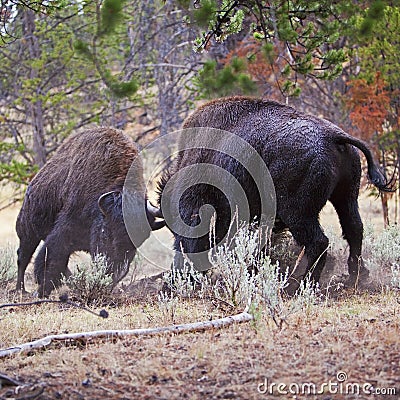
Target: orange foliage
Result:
[[370, 106], [371, 110], [267, 73]]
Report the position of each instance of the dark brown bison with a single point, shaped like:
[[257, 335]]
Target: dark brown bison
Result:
[[309, 159], [74, 204]]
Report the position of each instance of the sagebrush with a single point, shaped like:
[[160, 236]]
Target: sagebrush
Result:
[[92, 282], [8, 264], [242, 276]]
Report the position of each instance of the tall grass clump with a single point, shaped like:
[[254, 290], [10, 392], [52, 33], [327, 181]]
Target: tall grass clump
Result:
[[186, 282], [381, 252], [395, 281], [8, 265], [382, 249], [270, 285], [91, 283], [167, 304], [243, 275], [183, 283]]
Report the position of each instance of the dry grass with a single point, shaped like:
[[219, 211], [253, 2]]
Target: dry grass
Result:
[[356, 333]]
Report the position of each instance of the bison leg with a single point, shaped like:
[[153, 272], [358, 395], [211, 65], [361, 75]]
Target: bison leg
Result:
[[25, 252], [50, 263], [308, 233], [352, 229]]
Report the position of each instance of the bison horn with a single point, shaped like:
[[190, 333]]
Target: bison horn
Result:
[[155, 213], [106, 200], [157, 225]]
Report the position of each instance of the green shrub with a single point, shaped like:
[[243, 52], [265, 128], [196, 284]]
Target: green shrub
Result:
[[383, 249], [91, 283]]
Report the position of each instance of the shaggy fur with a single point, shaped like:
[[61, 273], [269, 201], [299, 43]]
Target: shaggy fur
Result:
[[310, 161], [62, 206]]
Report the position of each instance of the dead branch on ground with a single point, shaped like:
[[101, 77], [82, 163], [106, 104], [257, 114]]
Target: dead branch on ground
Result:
[[84, 336]]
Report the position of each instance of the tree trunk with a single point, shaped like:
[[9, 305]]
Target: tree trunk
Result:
[[385, 209], [34, 107]]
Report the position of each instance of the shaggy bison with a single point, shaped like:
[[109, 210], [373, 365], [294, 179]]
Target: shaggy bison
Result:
[[309, 159], [75, 203]]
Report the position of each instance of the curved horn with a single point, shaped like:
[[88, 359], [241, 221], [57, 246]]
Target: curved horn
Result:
[[157, 225], [102, 201], [154, 211]]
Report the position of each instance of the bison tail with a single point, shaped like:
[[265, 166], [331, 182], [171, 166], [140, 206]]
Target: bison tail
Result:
[[379, 179], [376, 176]]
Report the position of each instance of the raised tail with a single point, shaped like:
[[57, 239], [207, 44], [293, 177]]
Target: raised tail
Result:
[[376, 176]]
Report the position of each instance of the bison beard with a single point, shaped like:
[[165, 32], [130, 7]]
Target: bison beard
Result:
[[74, 204], [310, 161]]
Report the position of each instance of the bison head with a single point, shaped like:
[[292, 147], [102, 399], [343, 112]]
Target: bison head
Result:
[[110, 237]]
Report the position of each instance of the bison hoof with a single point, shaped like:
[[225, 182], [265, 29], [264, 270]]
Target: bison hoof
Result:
[[357, 278], [20, 292]]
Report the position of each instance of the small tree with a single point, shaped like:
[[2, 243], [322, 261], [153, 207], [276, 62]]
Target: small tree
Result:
[[374, 92], [369, 105], [48, 89], [298, 38]]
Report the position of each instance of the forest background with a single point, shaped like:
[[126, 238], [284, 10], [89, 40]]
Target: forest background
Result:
[[142, 67]]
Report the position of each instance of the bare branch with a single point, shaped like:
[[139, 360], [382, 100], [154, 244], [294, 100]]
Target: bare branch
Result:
[[115, 333]]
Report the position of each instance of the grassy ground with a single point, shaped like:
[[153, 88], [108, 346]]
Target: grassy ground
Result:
[[348, 340], [357, 335]]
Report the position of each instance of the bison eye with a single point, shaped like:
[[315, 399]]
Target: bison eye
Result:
[[195, 219]]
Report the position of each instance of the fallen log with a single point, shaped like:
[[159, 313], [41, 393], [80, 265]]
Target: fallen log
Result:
[[115, 333]]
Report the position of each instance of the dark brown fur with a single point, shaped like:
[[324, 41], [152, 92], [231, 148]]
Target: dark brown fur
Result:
[[310, 161], [61, 206]]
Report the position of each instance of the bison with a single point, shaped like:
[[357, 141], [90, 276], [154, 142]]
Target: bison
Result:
[[74, 203], [310, 160]]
